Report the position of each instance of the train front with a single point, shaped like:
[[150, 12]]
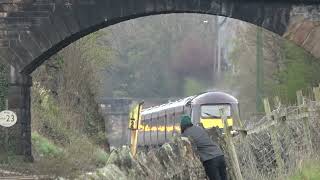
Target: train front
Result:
[[206, 110]]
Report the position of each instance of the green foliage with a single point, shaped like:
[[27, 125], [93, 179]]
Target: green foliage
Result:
[[100, 156], [63, 150], [193, 86], [3, 85], [48, 117], [300, 71], [69, 160], [93, 51], [44, 147], [82, 151], [69, 133], [5, 145], [153, 56], [310, 171], [286, 69], [133, 70], [66, 89]]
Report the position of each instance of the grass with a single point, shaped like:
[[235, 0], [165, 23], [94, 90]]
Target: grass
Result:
[[70, 160], [309, 171], [62, 144], [44, 147]]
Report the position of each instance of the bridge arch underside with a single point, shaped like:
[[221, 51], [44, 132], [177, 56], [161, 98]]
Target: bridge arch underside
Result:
[[29, 47], [33, 30]]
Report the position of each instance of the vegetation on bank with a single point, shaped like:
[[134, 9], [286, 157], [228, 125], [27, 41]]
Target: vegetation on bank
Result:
[[286, 69], [44, 147], [68, 131], [309, 171], [69, 160]]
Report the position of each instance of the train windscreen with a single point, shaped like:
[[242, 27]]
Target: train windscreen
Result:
[[213, 111]]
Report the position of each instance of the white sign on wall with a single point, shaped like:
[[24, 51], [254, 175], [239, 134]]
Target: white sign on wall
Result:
[[8, 118]]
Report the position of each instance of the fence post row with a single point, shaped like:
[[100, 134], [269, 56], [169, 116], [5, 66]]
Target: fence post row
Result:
[[316, 92], [277, 102], [274, 137], [231, 147], [303, 110], [299, 98]]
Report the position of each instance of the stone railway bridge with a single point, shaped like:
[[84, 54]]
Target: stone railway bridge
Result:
[[33, 30]]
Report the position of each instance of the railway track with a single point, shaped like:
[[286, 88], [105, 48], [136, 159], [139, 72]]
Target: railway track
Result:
[[8, 175], [23, 178]]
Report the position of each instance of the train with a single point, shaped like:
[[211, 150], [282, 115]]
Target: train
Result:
[[160, 123]]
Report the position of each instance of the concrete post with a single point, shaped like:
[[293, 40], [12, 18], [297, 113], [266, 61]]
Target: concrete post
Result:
[[19, 101]]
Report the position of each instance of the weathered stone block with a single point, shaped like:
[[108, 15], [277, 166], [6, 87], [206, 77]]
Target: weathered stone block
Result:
[[174, 160], [28, 43]]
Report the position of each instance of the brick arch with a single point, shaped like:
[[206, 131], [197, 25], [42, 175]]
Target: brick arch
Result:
[[44, 27]]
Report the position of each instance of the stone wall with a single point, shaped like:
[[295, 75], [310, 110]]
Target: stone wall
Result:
[[175, 160]]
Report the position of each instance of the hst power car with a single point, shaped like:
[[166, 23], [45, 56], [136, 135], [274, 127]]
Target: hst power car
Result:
[[160, 123]]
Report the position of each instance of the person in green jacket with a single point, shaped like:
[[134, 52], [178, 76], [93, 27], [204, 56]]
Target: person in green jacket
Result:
[[210, 153]]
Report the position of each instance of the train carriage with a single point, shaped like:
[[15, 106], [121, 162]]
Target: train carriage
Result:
[[160, 123]]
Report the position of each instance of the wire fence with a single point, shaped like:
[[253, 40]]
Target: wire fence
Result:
[[276, 145]]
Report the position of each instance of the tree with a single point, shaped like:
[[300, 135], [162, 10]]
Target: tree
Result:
[[66, 89], [150, 52]]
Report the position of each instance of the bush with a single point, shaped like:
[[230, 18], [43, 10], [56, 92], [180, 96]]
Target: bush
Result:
[[309, 171], [70, 160], [43, 147], [300, 70], [83, 153]]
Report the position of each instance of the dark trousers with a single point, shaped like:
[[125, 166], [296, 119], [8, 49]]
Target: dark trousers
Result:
[[216, 168]]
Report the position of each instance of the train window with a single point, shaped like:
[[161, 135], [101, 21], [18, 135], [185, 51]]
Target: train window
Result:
[[213, 110]]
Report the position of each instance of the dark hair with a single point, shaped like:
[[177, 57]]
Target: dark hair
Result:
[[184, 127]]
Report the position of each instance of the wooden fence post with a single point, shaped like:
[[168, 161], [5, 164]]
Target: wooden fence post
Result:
[[274, 137], [299, 98], [231, 148], [316, 92], [304, 112], [277, 101]]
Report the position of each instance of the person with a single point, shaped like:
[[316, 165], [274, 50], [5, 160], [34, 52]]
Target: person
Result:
[[210, 153]]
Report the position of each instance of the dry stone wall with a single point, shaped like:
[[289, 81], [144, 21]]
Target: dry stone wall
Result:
[[174, 160]]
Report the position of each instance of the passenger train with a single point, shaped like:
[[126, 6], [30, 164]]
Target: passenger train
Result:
[[160, 123]]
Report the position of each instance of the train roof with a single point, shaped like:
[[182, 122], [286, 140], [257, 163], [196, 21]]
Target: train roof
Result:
[[214, 98], [203, 98], [168, 106]]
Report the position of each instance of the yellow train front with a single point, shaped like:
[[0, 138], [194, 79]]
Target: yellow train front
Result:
[[159, 124]]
